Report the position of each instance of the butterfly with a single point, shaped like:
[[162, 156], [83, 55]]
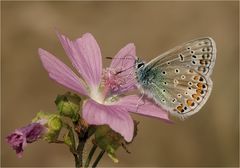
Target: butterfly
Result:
[[179, 79]]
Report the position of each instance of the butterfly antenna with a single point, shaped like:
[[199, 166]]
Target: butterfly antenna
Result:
[[133, 58], [124, 58], [125, 69]]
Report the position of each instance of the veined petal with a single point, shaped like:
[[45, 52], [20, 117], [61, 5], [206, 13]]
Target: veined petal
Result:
[[61, 73], [116, 117], [124, 65], [143, 106], [90, 50], [85, 56], [126, 55]]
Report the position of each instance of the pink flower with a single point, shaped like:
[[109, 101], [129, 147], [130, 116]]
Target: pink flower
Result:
[[104, 88]]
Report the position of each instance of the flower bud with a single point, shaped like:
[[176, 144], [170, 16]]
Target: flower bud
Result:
[[53, 124], [108, 140], [68, 105], [19, 139]]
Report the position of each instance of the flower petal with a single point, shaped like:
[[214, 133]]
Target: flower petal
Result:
[[116, 117], [28, 134], [61, 73], [85, 56], [144, 107], [17, 141], [127, 53], [124, 62]]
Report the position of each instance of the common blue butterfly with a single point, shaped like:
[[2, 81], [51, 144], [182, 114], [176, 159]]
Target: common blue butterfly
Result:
[[179, 79]]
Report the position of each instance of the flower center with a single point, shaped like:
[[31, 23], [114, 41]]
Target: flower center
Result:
[[112, 82], [97, 95]]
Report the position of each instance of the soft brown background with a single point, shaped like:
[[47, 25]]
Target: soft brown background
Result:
[[209, 138]]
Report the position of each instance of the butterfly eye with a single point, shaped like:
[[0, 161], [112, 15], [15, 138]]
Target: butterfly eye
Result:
[[140, 65]]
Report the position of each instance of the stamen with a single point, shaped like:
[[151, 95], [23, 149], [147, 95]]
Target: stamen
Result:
[[112, 81]]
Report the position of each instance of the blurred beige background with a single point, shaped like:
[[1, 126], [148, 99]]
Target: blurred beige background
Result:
[[209, 138]]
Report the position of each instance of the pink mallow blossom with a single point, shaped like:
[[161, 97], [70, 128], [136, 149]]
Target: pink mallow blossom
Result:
[[104, 88]]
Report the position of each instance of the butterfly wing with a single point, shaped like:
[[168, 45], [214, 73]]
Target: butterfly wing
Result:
[[180, 80]]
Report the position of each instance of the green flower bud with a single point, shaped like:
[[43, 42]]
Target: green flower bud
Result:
[[53, 124], [108, 140], [68, 105]]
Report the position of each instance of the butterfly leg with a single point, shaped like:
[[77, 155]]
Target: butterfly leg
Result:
[[139, 101]]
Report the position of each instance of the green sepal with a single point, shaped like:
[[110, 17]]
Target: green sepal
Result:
[[108, 140], [68, 105], [91, 130], [69, 140], [135, 131], [53, 124]]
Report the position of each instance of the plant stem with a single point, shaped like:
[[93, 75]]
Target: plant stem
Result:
[[80, 148], [81, 130], [77, 163], [98, 158], [93, 149]]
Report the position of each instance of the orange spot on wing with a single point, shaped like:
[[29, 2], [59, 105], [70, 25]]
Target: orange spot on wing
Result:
[[199, 91], [190, 102], [195, 96], [196, 77], [180, 108], [200, 85]]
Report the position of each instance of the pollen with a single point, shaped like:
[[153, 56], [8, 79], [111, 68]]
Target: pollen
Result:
[[112, 80]]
